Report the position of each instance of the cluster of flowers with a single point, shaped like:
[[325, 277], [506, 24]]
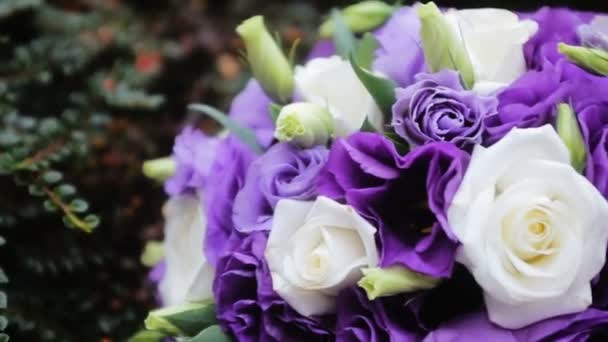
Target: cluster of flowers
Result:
[[444, 178]]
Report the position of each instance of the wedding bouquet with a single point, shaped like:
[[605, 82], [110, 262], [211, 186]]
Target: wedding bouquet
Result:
[[426, 174]]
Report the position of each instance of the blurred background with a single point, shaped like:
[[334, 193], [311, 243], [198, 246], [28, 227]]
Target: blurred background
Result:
[[88, 90]]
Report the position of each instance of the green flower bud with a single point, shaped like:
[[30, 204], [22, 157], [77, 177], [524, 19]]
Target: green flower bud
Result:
[[268, 63], [304, 124], [570, 133], [159, 169], [595, 60], [182, 320], [382, 282], [154, 252], [443, 46], [360, 17]]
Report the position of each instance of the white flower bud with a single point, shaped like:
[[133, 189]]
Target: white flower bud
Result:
[[304, 124]]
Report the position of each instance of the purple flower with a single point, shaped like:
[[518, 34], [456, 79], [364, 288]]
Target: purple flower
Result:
[[193, 153], [251, 109], [226, 178], [595, 34], [384, 319], [247, 306], [405, 197], [400, 55], [477, 327], [556, 25], [283, 171], [438, 108], [323, 48]]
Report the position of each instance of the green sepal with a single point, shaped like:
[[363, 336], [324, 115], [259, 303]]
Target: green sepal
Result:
[[570, 133], [381, 89], [243, 133], [182, 320], [211, 334], [594, 60], [344, 40], [147, 336]]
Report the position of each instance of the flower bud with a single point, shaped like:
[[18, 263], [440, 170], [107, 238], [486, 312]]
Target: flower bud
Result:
[[159, 169], [360, 17], [182, 320], [304, 124], [570, 133], [595, 60], [382, 282], [268, 63], [154, 252], [443, 45]]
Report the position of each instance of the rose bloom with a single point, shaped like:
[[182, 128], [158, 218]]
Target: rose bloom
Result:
[[533, 230], [315, 249], [494, 40]]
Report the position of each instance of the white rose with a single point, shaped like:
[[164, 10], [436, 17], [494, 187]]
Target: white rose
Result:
[[332, 82], [315, 249], [533, 230], [188, 276], [494, 40]]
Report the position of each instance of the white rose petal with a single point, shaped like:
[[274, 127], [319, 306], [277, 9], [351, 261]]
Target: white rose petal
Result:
[[494, 40], [533, 231], [188, 276], [315, 249], [332, 82]]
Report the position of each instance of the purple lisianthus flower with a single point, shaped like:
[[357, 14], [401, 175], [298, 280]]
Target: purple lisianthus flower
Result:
[[556, 25], [595, 34], [226, 178], [193, 153], [250, 108], [284, 171], [247, 306], [323, 48], [477, 327], [384, 319], [438, 108], [400, 55], [405, 197]]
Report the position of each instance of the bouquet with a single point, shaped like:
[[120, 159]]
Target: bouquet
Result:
[[425, 174]]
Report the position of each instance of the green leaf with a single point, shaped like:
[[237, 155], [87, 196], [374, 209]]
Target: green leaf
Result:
[[344, 40], [79, 205], [185, 320], [4, 338], [49, 206], [147, 336], [3, 278], [275, 110], [211, 334], [366, 49], [3, 323], [246, 135], [2, 300], [92, 221], [35, 190], [52, 176], [381, 89], [65, 190]]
